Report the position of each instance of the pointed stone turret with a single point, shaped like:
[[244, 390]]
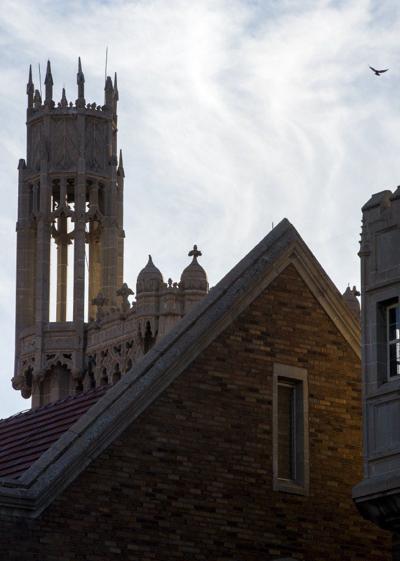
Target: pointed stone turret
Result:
[[48, 81], [149, 279], [64, 101], [116, 94], [108, 93], [194, 276], [120, 169], [30, 88], [194, 281], [80, 80], [350, 297]]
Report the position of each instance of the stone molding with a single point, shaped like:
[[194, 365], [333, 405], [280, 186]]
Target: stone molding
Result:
[[128, 398]]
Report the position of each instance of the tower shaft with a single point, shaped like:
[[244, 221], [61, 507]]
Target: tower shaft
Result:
[[69, 236]]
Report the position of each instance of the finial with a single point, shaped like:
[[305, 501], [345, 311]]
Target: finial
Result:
[[109, 93], [80, 80], [49, 78], [37, 100], [49, 87], [30, 88], [195, 253], [116, 95], [80, 75], [64, 101], [120, 170]]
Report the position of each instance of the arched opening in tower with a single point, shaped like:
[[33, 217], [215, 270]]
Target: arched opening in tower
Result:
[[62, 249]]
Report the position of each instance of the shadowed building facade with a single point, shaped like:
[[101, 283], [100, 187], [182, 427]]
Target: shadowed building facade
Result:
[[378, 494]]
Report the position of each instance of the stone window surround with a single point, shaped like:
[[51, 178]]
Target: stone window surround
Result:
[[301, 485]]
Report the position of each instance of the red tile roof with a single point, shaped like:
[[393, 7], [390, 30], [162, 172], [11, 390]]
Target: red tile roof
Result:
[[26, 436]]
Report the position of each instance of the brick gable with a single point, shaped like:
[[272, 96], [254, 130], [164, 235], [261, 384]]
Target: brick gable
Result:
[[192, 477]]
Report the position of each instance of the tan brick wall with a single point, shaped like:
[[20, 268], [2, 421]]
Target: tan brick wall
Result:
[[192, 478]]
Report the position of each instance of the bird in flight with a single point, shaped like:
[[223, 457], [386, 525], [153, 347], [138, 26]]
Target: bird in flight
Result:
[[378, 72]]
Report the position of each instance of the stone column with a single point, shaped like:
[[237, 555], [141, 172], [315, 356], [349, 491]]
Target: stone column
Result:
[[95, 265], [62, 269], [79, 244], [43, 250], [25, 255], [110, 245], [121, 233]]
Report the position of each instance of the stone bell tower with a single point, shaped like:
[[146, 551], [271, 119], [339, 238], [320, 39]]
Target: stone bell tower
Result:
[[70, 194]]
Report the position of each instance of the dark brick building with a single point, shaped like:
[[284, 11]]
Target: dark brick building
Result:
[[238, 436]]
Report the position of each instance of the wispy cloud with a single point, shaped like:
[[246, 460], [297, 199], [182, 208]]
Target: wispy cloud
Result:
[[232, 115]]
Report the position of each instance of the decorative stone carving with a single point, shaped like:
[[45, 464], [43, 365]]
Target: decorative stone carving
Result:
[[100, 301], [124, 292], [194, 276]]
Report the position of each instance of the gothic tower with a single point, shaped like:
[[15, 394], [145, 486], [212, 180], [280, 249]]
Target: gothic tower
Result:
[[70, 196]]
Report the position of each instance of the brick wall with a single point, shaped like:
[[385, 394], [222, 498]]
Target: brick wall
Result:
[[192, 478]]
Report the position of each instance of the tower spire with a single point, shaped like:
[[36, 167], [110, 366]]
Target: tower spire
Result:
[[30, 88], [80, 80], [48, 81]]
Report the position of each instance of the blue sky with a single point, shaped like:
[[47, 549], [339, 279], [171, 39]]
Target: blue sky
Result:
[[232, 115]]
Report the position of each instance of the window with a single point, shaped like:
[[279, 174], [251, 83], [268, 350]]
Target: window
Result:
[[287, 429], [290, 429], [393, 340]]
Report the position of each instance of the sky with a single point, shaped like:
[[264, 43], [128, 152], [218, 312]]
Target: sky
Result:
[[233, 114]]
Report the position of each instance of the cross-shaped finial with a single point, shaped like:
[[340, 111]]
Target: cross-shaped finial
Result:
[[124, 291], [194, 252]]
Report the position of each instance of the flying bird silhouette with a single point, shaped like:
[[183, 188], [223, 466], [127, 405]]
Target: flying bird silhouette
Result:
[[378, 72]]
